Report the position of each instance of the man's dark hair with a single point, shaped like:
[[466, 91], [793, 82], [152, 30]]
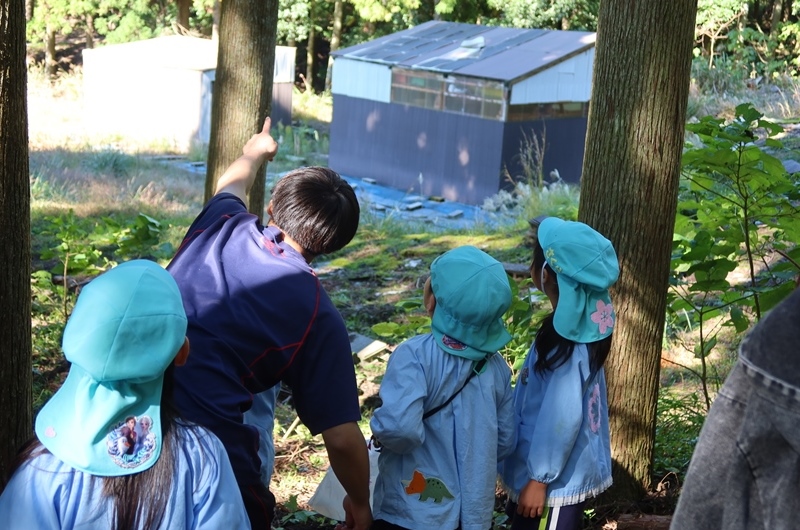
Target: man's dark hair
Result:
[[317, 208]]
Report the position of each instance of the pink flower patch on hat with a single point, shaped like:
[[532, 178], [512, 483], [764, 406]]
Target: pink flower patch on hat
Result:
[[604, 316]]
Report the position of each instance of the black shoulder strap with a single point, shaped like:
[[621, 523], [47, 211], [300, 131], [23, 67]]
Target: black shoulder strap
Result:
[[477, 368]]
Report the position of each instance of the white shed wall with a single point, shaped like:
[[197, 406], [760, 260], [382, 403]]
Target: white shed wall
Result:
[[570, 80], [360, 79], [159, 104], [158, 90], [284, 64]]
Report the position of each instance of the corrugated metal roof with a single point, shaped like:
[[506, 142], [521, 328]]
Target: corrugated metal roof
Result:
[[503, 54]]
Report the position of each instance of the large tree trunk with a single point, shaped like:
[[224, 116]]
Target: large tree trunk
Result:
[[15, 251], [243, 87], [629, 193], [336, 39]]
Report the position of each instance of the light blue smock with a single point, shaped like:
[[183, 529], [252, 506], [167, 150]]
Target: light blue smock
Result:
[[47, 494], [459, 446], [563, 433]]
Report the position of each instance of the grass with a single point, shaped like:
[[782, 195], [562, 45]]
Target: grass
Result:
[[717, 92]]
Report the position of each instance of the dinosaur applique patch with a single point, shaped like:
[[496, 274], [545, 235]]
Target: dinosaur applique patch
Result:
[[428, 488]]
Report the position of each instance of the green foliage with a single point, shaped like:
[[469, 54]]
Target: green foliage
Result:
[[301, 140], [678, 424], [469, 11], [296, 516], [724, 76], [714, 19], [90, 246], [385, 10], [735, 210], [519, 320], [527, 201], [725, 28], [293, 20], [115, 21], [547, 14], [139, 239], [413, 324], [74, 251], [110, 160]]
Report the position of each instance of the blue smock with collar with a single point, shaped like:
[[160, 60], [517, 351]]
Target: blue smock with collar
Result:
[[47, 494], [562, 431], [449, 460]]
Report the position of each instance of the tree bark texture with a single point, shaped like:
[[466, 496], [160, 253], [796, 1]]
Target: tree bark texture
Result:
[[15, 252], [242, 96], [629, 193]]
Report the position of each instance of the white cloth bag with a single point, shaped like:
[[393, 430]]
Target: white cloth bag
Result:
[[327, 499]]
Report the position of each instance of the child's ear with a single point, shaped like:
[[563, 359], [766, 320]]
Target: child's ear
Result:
[[548, 275], [428, 299], [183, 353]]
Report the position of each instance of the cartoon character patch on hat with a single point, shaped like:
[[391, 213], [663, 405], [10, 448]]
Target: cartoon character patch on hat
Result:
[[131, 443]]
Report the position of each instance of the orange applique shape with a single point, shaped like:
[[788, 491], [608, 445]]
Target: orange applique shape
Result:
[[416, 484]]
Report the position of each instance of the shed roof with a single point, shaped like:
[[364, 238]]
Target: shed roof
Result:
[[503, 54], [172, 51], [181, 53]]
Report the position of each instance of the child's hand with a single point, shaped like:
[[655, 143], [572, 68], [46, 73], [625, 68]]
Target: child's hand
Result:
[[261, 146], [531, 499]]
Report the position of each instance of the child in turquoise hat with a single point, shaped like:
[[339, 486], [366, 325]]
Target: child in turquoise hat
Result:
[[447, 415], [563, 456], [109, 451]]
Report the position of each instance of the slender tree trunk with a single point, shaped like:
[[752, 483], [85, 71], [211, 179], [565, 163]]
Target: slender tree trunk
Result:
[[215, 15], [50, 54], [183, 13], [28, 10], [15, 251], [312, 36], [629, 193], [754, 11], [336, 39], [777, 15], [90, 31], [242, 96]]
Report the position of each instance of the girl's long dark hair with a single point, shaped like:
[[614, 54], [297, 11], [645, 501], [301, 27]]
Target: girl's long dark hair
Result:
[[555, 350], [140, 500]]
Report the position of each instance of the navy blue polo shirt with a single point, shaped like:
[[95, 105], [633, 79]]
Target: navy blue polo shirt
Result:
[[257, 315]]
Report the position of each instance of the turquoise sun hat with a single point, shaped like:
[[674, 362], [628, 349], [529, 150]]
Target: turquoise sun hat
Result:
[[586, 266], [127, 326], [472, 293]]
